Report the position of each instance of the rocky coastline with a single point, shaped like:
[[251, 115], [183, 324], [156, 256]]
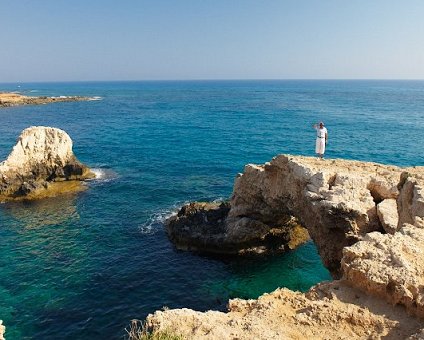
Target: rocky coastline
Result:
[[367, 221], [9, 99], [41, 164]]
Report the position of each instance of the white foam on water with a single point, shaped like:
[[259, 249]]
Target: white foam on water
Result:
[[99, 173], [156, 221], [103, 175], [95, 98]]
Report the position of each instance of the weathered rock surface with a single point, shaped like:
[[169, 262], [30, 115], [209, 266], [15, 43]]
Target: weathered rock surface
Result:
[[2, 330], [15, 99], [367, 221], [202, 227], [41, 164], [388, 215], [336, 200], [389, 266], [328, 311]]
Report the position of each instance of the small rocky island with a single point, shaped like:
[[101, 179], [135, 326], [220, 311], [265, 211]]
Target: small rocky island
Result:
[[41, 164], [8, 99], [367, 221]]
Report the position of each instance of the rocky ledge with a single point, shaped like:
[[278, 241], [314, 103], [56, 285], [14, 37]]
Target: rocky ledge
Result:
[[41, 164], [337, 201], [367, 221], [8, 99]]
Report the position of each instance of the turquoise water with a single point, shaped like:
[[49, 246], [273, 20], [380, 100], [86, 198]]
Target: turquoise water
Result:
[[82, 266]]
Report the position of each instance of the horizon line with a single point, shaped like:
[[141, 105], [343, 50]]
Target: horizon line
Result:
[[212, 79]]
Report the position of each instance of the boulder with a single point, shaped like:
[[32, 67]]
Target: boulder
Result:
[[202, 227], [388, 215], [41, 158]]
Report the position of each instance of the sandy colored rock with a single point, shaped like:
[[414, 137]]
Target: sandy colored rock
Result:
[[389, 266], [41, 159], [8, 99], [2, 330], [328, 311], [335, 200], [388, 215]]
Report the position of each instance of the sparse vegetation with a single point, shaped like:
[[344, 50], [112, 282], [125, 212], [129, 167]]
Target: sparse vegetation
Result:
[[139, 331]]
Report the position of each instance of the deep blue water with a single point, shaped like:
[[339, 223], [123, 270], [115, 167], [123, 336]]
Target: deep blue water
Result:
[[82, 266]]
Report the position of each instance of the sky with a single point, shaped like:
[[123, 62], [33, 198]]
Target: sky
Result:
[[83, 40]]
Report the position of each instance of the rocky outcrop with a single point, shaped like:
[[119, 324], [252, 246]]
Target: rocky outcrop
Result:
[[203, 227], [2, 330], [367, 221], [41, 164], [328, 311], [389, 266], [16, 99], [338, 201]]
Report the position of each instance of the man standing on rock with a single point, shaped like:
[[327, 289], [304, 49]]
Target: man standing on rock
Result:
[[322, 139]]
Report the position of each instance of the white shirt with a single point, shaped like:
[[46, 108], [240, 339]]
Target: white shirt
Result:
[[321, 132]]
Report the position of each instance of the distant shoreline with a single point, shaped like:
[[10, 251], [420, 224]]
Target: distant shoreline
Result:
[[10, 99]]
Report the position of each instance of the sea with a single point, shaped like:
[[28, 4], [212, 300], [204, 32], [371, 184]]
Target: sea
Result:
[[82, 266]]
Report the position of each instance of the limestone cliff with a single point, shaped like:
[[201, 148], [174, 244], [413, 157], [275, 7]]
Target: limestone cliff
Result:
[[41, 164], [367, 221]]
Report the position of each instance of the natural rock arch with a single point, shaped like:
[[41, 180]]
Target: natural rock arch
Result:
[[338, 201]]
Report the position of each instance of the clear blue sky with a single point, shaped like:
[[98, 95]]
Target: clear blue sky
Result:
[[210, 39]]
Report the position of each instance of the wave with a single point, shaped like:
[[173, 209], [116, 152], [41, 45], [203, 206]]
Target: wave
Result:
[[156, 221], [95, 98], [103, 175]]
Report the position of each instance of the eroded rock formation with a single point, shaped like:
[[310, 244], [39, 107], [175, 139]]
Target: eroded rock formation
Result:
[[338, 201], [41, 164], [203, 227], [367, 221]]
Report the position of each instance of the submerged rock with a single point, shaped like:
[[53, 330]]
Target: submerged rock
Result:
[[41, 164]]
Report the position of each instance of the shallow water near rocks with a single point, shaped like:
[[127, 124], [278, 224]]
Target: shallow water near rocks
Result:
[[82, 266]]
